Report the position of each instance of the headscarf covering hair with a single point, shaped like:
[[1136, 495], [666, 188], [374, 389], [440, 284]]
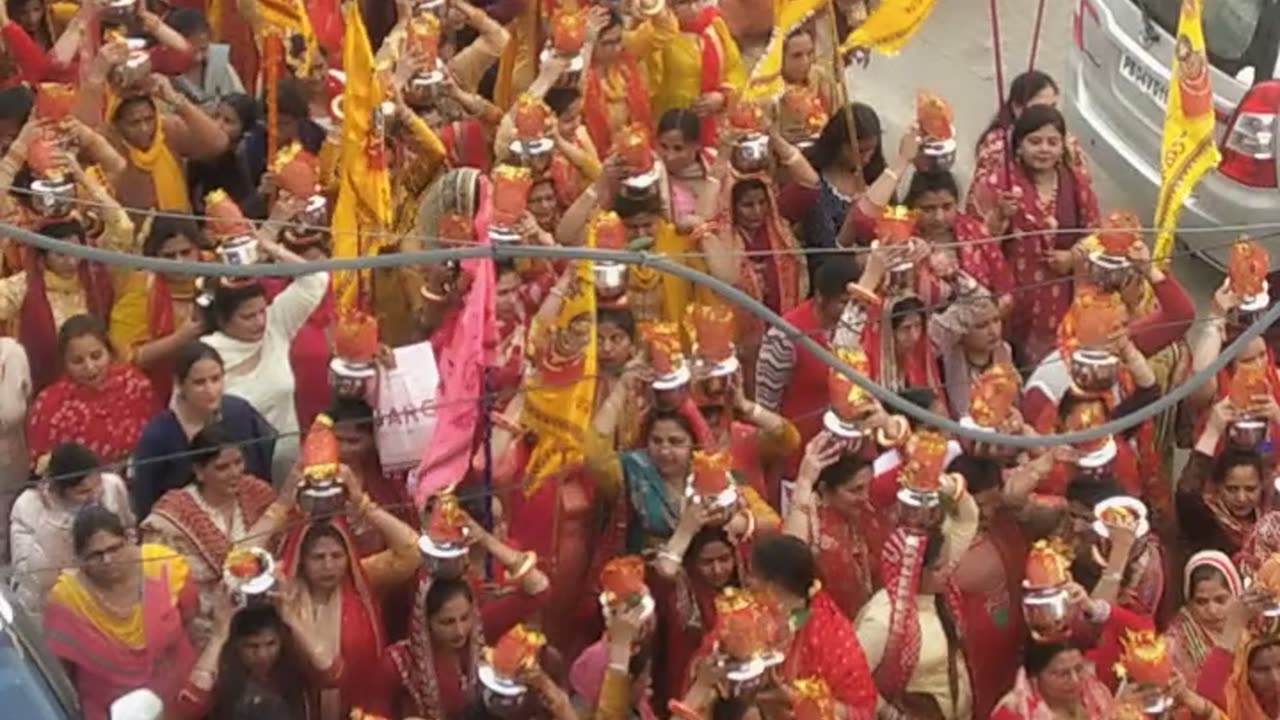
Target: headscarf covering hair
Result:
[[37, 327], [1217, 560]]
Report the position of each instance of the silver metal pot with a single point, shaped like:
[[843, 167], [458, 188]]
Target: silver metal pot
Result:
[[611, 278], [425, 89], [1247, 433], [504, 235], [322, 499], [936, 155], [242, 250], [136, 68], [117, 11], [751, 153], [1094, 371], [53, 197], [1046, 613], [1110, 272], [349, 380]]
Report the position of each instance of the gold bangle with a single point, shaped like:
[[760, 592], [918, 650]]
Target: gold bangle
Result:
[[528, 561]]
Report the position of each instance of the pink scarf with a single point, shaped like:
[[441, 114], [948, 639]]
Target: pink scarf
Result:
[[462, 362]]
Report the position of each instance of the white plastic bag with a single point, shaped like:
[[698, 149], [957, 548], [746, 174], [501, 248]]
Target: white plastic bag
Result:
[[406, 407]]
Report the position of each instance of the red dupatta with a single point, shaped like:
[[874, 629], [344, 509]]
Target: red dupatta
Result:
[[703, 25], [160, 324], [467, 144], [902, 562], [844, 551], [361, 633], [37, 330], [918, 369], [413, 659], [826, 646], [595, 115]]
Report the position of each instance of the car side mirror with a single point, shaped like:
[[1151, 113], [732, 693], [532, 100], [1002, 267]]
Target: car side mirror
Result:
[[141, 704]]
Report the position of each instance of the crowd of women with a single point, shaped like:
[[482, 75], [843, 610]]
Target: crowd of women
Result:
[[575, 489]]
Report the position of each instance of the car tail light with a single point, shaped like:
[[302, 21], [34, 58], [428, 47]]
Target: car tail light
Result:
[[1249, 144], [1077, 22]]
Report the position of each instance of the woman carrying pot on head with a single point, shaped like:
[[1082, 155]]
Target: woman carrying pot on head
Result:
[[116, 619], [434, 672], [831, 511], [1224, 492], [822, 641], [340, 593], [264, 645], [1239, 673], [219, 508], [1050, 203], [42, 517], [1100, 372], [692, 569], [749, 246], [160, 462], [253, 335], [98, 403]]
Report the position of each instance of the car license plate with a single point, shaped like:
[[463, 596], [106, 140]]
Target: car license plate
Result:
[[1145, 79]]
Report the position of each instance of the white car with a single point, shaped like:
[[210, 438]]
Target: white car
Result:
[[1119, 85]]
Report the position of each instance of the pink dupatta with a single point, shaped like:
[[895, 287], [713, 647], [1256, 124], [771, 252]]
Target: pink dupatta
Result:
[[462, 362]]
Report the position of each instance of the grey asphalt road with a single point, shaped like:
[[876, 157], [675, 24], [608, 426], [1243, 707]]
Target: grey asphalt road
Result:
[[953, 56]]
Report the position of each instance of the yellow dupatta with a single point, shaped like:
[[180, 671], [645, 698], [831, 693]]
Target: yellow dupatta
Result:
[[71, 593], [160, 163]]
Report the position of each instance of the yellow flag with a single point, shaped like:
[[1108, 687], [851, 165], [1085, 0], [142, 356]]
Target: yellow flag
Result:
[[888, 28], [560, 401], [765, 82], [362, 212], [1187, 150]]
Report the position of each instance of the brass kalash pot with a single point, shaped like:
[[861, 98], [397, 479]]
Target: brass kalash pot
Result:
[[1249, 387], [920, 481], [749, 154]]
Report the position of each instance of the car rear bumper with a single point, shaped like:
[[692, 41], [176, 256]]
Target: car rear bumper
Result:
[[1210, 218]]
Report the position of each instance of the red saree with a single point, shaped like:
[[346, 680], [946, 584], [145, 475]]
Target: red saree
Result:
[[361, 632], [686, 613], [107, 419], [825, 646], [992, 611], [37, 329], [1043, 296], [845, 552], [711, 65]]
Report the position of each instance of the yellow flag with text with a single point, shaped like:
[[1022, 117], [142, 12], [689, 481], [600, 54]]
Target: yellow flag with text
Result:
[[889, 26], [362, 212], [1187, 150]]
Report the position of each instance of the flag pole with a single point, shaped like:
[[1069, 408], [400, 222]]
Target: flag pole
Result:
[[999, 62], [1035, 35], [841, 98]]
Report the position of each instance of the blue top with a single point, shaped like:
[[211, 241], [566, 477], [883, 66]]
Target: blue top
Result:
[[160, 462]]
